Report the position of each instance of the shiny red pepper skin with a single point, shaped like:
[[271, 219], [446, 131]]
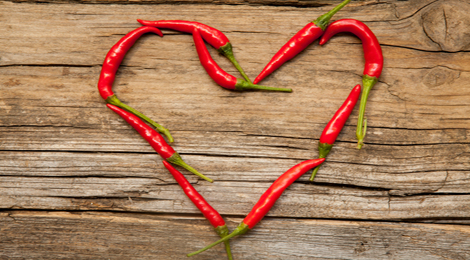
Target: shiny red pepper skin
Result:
[[334, 127], [270, 196], [213, 36], [373, 64], [206, 209], [301, 40], [157, 141], [114, 58], [372, 50], [111, 65], [221, 77], [267, 200]]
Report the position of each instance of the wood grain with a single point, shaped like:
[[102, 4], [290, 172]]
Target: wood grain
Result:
[[92, 235], [77, 182]]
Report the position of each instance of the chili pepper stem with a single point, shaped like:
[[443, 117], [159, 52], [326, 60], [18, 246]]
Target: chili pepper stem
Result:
[[227, 51], [176, 159], [228, 250], [222, 231], [324, 19], [240, 230], [368, 82], [361, 142], [243, 85], [113, 100], [323, 150], [314, 173]]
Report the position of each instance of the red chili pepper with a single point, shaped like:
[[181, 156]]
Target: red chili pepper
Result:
[[213, 36], [373, 63], [299, 42], [267, 200], [155, 140], [110, 66], [219, 75], [333, 128], [207, 210]]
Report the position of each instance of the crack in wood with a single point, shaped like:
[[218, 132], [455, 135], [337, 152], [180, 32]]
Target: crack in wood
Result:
[[419, 9], [444, 182], [420, 50]]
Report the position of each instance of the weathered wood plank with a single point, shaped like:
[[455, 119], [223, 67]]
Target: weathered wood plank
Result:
[[122, 236], [256, 24], [226, 168], [232, 198], [297, 3], [51, 164]]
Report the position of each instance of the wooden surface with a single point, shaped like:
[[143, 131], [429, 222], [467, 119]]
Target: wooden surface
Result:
[[77, 182]]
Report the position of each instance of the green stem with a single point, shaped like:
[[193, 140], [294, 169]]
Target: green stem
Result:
[[363, 133], [243, 85], [323, 150], [223, 232], [227, 51], [240, 230], [176, 159], [367, 82], [314, 173], [228, 250], [323, 20], [113, 100]]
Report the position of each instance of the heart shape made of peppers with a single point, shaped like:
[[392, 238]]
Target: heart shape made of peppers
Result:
[[201, 33]]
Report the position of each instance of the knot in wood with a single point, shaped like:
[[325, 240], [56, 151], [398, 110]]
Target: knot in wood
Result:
[[446, 23]]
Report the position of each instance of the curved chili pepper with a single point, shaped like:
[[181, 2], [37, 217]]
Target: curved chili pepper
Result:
[[373, 63], [207, 210], [110, 66], [333, 128], [221, 77], [213, 36], [155, 140], [299, 42], [267, 200]]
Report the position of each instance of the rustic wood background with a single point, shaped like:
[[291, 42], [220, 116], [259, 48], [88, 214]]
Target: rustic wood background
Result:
[[77, 182]]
